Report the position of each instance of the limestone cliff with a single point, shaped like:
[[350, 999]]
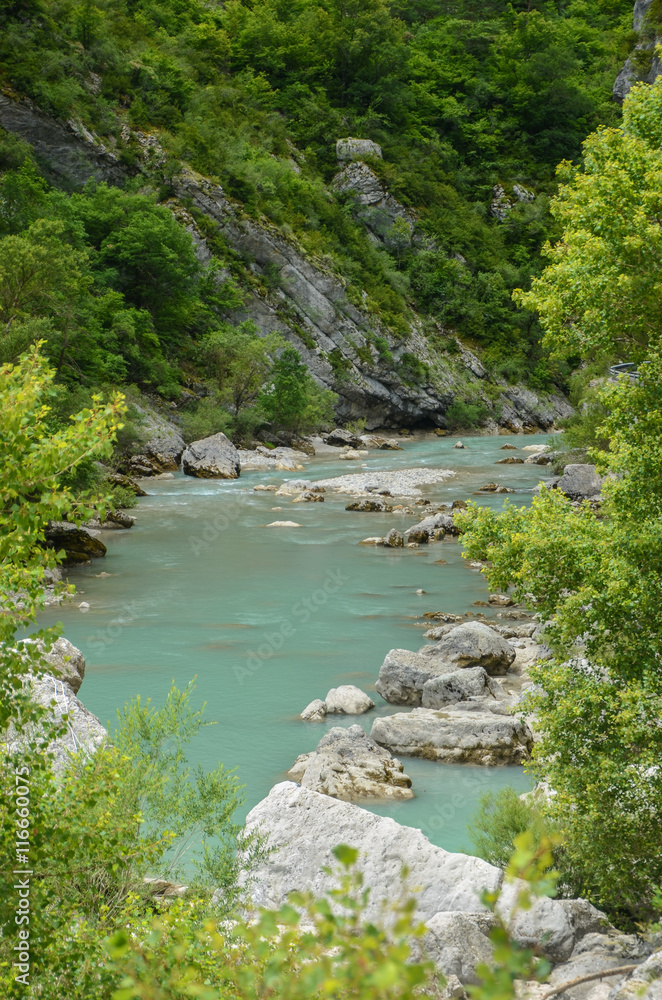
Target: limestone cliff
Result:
[[644, 63], [303, 299]]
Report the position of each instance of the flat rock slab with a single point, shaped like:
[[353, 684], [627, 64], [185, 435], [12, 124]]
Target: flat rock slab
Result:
[[349, 765], [455, 736]]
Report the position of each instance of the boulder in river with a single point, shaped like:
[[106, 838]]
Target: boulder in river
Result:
[[79, 544], [314, 712], [341, 438], [460, 685], [394, 539], [434, 526], [580, 482], [403, 674], [474, 644], [370, 504], [347, 699], [303, 826], [213, 457], [511, 460], [455, 736], [308, 496], [349, 765]]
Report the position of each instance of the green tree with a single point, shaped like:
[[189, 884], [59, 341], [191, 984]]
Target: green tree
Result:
[[602, 290], [240, 361], [294, 401], [596, 582]]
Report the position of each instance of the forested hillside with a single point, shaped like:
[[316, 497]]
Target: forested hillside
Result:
[[473, 105]]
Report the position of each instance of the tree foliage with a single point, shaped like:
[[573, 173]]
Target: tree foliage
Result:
[[601, 291]]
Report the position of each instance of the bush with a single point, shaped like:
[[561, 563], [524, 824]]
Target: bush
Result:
[[500, 817], [205, 418], [465, 416]]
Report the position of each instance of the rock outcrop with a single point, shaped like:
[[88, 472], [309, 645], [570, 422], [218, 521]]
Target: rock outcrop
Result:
[[80, 545], [161, 445], [457, 735], [349, 765], [57, 693], [214, 457], [644, 64], [303, 827], [580, 482]]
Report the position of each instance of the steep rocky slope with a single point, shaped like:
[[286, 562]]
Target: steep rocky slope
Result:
[[346, 348], [644, 64]]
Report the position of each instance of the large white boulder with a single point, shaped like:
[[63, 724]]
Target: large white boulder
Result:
[[474, 644], [461, 685], [303, 826], [347, 699], [403, 675], [213, 457]]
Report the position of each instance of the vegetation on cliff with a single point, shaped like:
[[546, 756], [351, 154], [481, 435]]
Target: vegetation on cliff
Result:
[[461, 96]]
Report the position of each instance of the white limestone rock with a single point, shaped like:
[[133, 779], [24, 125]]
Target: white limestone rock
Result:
[[348, 700]]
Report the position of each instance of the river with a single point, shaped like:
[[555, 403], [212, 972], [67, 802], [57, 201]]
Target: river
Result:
[[267, 619]]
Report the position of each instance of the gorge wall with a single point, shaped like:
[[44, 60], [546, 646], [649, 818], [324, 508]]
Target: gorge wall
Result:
[[287, 292]]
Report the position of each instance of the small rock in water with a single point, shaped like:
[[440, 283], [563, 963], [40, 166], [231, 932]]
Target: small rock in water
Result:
[[394, 539], [459, 505], [509, 461], [348, 700], [84, 606], [315, 712], [458, 444], [284, 524], [501, 600], [511, 447], [260, 488], [376, 540], [421, 592], [371, 504], [308, 496], [275, 508], [440, 562]]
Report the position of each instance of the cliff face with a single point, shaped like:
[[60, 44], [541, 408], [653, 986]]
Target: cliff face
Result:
[[643, 65], [286, 292]]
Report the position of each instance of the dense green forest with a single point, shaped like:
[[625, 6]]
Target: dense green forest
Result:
[[461, 96]]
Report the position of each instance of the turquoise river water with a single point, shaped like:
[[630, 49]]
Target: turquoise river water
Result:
[[268, 619]]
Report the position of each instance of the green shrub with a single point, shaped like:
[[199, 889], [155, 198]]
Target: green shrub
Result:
[[465, 415]]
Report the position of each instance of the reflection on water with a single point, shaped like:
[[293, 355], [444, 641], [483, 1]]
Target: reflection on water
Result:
[[294, 612]]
